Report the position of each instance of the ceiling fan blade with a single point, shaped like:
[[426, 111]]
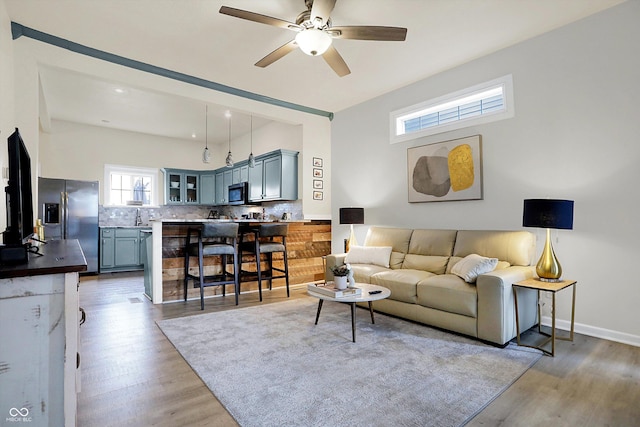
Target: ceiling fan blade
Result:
[[256, 17], [322, 9], [277, 54], [336, 62], [369, 33]]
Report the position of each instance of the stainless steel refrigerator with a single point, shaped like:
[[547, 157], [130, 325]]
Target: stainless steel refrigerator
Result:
[[69, 210]]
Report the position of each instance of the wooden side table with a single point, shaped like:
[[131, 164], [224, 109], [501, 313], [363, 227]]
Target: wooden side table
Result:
[[552, 287]]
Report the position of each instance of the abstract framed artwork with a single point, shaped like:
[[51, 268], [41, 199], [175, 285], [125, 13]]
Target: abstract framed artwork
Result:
[[317, 173], [318, 184], [317, 162], [317, 195], [445, 171]]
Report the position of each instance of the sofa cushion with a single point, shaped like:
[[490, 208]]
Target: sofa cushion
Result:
[[397, 238], [448, 292], [376, 255], [401, 283], [515, 247], [363, 272], [429, 250], [433, 264], [471, 266], [432, 242]]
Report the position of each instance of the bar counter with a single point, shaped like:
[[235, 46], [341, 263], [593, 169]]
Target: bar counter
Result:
[[307, 242]]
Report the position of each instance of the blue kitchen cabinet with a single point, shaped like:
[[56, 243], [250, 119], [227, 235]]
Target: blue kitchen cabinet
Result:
[[181, 187], [121, 249], [207, 188], [275, 177]]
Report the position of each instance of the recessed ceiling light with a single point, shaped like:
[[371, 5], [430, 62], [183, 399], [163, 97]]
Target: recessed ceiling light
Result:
[[227, 114], [119, 90], [193, 135]]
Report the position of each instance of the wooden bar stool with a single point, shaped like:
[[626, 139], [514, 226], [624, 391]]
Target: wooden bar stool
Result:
[[268, 239], [213, 240]]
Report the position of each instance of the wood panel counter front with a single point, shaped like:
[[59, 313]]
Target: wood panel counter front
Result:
[[307, 243]]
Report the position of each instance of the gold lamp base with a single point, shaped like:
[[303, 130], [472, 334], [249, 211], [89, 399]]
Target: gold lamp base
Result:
[[548, 267]]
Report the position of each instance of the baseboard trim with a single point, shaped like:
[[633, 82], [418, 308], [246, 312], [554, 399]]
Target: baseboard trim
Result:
[[594, 331]]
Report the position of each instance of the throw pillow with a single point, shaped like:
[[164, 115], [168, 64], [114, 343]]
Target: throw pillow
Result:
[[377, 255], [471, 266]]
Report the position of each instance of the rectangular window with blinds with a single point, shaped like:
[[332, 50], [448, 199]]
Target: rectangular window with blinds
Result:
[[482, 103]]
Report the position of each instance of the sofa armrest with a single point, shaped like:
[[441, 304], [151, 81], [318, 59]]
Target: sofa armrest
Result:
[[496, 307], [333, 260]]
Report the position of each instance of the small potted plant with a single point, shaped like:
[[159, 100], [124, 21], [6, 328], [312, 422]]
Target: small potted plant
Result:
[[340, 274]]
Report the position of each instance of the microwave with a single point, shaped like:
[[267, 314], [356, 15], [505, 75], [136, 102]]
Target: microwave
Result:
[[239, 193]]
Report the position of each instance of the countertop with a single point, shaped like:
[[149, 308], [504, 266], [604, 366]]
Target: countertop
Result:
[[125, 226], [58, 256], [203, 220]]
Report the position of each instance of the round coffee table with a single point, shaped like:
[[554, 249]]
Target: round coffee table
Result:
[[366, 296]]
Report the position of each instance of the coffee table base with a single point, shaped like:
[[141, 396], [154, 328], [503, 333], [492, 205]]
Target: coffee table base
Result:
[[353, 315]]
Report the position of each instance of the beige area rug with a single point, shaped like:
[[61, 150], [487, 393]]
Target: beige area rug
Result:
[[270, 365]]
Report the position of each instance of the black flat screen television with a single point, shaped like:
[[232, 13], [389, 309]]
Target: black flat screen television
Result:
[[18, 193]]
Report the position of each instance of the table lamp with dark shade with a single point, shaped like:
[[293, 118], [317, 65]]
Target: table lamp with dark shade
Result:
[[351, 216], [548, 213]]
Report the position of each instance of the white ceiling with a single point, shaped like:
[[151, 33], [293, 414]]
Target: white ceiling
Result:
[[191, 37]]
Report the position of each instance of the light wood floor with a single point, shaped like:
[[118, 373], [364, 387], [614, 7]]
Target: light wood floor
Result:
[[133, 376]]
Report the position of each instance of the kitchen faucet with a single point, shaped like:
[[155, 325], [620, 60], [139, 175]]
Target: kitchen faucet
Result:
[[138, 218]]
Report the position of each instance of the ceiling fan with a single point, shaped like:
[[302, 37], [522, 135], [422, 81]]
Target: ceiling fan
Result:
[[315, 33]]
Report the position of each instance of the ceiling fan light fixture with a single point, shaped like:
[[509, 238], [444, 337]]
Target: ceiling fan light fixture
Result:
[[313, 41]]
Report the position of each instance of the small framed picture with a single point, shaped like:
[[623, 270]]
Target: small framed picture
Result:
[[317, 195], [317, 162], [318, 184], [317, 173]]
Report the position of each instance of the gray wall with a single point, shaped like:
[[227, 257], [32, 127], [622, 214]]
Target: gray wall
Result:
[[575, 135]]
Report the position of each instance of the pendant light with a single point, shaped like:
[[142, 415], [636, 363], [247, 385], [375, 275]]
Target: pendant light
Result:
[[229, 159], [252, 160], [206, 156]]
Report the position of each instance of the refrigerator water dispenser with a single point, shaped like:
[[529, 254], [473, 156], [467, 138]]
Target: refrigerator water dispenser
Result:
[[51, 213]]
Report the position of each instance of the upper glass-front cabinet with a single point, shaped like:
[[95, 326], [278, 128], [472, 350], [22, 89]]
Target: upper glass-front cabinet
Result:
[[173, 187], [181, 187]]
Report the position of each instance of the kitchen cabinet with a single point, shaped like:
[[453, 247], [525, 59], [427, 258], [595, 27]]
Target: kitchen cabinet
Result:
[[107, 246], [240, 174], [207, 188], [181, 187], [146, 257], [224, 178], [121, 249], [275, 177]]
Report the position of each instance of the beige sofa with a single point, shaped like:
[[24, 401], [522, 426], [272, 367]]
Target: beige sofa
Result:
[[424, 289]]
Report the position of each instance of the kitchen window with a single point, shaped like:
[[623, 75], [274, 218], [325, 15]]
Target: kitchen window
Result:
[[483, 103], [130, 186]]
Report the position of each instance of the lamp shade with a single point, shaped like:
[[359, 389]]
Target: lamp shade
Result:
[[351, 215], [548, 213]]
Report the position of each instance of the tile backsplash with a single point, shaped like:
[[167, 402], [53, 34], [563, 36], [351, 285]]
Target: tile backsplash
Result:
[[126, 215]]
